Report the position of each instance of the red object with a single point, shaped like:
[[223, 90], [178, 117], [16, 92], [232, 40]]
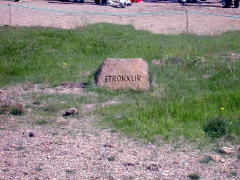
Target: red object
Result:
[[135, 1]]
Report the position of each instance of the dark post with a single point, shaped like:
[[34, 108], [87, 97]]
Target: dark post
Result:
[[187, 21], [10, 16]]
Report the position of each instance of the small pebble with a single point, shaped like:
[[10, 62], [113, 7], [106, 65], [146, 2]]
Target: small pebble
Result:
[[31, 134], [70, 111], [153, 167]]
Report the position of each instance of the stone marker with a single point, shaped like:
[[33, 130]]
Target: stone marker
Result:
[[124, 74]]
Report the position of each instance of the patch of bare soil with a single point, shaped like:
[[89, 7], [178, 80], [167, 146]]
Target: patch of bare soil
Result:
[[75, 148], [157, 23]]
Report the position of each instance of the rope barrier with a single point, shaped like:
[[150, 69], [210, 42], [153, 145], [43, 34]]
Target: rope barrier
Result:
[[2, 5], [212, 14], [99, 13]]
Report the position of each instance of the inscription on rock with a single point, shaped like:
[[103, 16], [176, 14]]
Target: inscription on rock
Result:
[[122, 78], [124, 74]]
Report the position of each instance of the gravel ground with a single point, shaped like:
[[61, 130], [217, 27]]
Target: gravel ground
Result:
[[156, 23], [75, 148]]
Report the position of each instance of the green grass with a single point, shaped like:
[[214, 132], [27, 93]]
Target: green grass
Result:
[[41, 122], [16, 111], [194, 176], [35, 54], [197, 87], [173, 117]]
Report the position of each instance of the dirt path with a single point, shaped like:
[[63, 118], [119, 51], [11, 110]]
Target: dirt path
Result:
[[157, 23], [74, 148], [99, 154]]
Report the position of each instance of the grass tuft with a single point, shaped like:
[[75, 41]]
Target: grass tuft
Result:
[[206, 160], [194, 176], [216, 127], [16, 111], [41, 122], [36, 102]]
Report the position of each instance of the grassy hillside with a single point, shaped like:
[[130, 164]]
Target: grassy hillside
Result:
[[195, 94]]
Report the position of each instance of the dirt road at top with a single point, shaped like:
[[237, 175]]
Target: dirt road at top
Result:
[[166, 23]]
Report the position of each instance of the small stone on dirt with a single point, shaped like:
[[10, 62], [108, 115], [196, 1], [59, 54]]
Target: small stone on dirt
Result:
[[108, 145], [74, 84], [70, 111], [216, 158], [109, 178], [227, 150], [31, 134], [153, 167], [128, 164], [111, 158], [62, 121], [235, 55], [158, 62], [5, 149], [206, 76], [19, 148], [70, 171]]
